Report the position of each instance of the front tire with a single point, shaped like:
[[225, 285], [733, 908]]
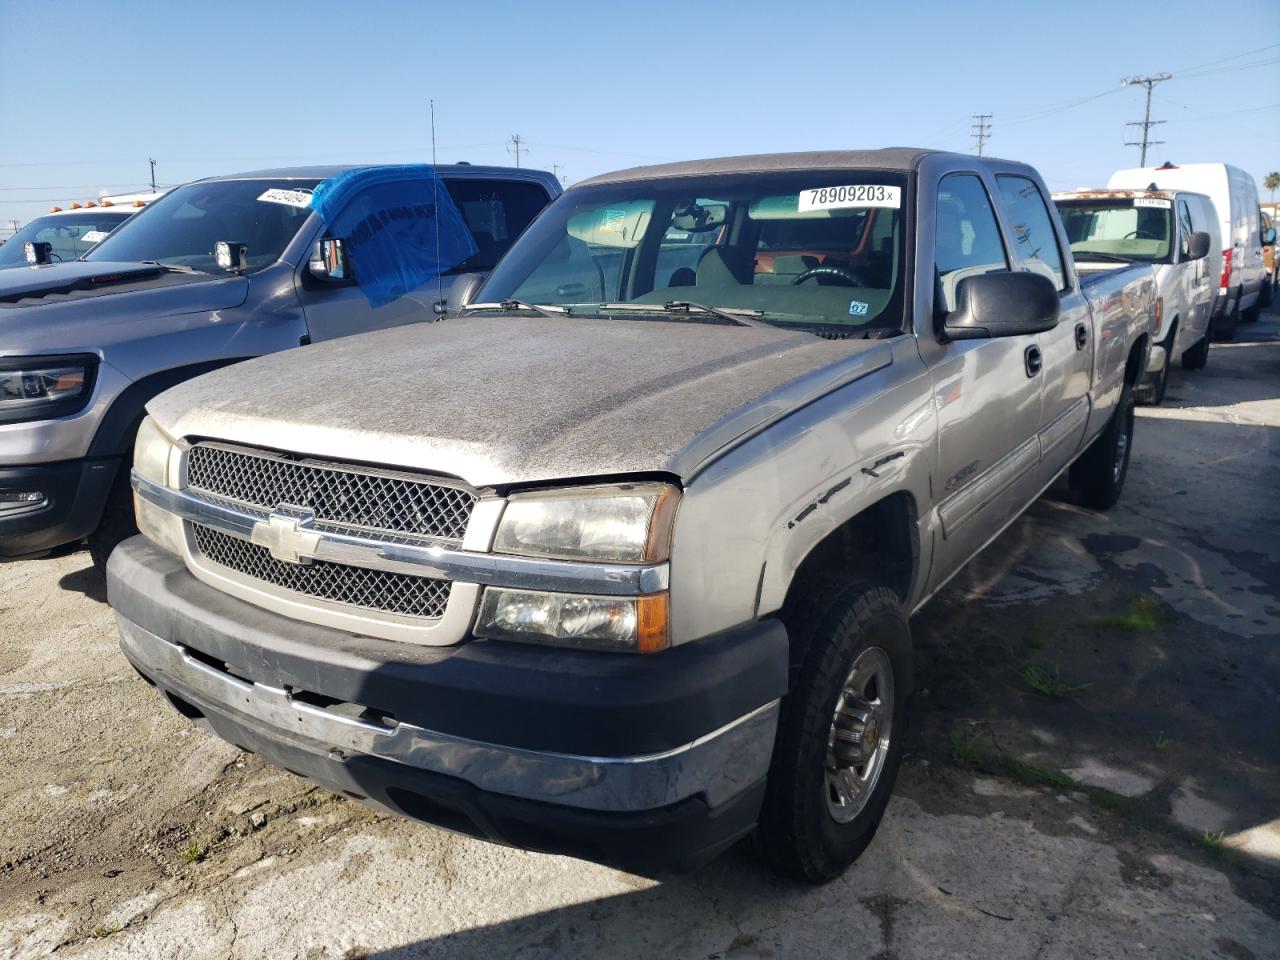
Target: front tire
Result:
[[841, 731], [1151, 388], [117, 522], [1097, 478], [1224, 331]]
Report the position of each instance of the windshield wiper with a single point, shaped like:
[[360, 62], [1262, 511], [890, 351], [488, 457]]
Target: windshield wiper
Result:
[[547, 310], [741, 318], [1108, 257], [174, 267]]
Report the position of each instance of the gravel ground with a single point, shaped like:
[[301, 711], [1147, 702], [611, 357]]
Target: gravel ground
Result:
[[1092, 767]]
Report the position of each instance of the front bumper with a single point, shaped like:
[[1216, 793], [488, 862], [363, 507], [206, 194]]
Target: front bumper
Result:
[[649, 763], [75, 493]]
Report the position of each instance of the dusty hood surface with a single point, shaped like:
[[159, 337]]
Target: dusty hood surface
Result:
[[499, 400]]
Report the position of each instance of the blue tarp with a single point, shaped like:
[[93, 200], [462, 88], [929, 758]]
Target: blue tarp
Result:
[[400, 226]]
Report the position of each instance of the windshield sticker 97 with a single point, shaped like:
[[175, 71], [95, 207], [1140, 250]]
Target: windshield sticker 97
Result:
[[1153, 202], [93, 236], [290, 198], [853, 195]]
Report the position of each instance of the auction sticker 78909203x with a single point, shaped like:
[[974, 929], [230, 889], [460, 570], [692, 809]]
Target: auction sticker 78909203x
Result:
[[850, 195]]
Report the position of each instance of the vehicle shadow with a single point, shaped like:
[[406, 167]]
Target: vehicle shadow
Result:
[[88, 580]]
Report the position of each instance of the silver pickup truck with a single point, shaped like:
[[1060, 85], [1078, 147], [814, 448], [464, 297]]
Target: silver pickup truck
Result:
[[619, 563], [85, 344]]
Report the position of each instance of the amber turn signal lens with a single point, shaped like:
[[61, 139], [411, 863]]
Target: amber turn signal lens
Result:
[[653, 623]]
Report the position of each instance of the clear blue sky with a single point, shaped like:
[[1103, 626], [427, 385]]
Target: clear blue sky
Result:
[[91, 90]]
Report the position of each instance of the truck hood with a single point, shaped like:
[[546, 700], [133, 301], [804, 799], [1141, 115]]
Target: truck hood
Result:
[[509, 400], [88, 306]]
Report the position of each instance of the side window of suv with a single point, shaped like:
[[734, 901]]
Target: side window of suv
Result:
[[1034, 236], [966, 240]]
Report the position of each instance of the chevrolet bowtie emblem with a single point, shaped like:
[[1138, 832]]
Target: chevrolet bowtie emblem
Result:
[[287, 534]]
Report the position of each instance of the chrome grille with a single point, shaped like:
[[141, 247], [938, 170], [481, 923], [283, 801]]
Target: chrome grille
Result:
[[356, 586], [377, 504]]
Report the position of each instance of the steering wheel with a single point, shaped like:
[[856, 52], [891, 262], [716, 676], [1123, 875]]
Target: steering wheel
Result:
[[850, 278], [1140, 235]]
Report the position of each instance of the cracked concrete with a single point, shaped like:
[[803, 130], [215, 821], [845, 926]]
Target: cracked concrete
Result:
[[1178, 717]]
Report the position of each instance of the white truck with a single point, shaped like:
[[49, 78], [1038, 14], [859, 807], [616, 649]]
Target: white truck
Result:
[[1175, 232], [1235, 198]]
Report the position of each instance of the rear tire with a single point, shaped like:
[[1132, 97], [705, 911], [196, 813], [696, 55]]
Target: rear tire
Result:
[[838, 747], [1268, 292], [1151, 388], [117, 522], [1097, 478]]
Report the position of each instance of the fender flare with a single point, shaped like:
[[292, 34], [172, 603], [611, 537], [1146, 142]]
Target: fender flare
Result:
[[115, 433]]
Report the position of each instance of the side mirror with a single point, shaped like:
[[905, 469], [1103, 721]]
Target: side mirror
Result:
[[1268, 236], [463, 292], [1198, 247], [329, 261], [1002, 305]]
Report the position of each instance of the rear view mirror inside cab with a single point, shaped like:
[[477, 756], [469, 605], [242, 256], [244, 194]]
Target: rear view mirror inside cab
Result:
[[616, 225], [700, 217]]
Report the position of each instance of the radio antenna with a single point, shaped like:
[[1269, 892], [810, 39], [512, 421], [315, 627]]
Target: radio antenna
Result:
[[435, 196]]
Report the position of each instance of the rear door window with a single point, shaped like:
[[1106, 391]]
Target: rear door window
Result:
[[1035, 241], [496, 211]]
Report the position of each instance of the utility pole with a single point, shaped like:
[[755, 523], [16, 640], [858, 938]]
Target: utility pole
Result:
[[13, 227], [981, 130], [555, 170], [153, 175], [517, 145], [1146, 123]]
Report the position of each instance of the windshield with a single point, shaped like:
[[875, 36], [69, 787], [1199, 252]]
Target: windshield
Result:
[[811, 250], [1137, 229], [69, 234], [181, 228]]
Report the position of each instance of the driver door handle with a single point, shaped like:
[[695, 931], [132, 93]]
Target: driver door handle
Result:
[[1033, 360], [1082, 336]]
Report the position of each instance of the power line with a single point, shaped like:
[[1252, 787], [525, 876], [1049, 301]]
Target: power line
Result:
[[981, 130], [1146, 122]]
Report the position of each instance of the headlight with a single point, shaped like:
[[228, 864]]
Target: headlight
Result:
[[40, 388], [629, 624], [152, 451], [625, 523]]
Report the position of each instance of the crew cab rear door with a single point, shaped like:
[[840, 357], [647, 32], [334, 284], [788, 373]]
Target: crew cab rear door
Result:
[[986, 395], [1067, 349]]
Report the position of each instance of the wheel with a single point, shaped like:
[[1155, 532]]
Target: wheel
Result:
[[1251, 315], [1097, 478], [841, 730], [1224, 328], [1151, 387], [1268, 291], [1195, 357], [117, 518]]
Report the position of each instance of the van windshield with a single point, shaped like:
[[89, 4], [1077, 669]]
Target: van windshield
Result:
[[181, 228], [820, 250], [1136, 229]]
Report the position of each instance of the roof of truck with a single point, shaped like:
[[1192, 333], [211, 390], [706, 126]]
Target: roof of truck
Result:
[[903, 159], [324, 171], [1116, 194]]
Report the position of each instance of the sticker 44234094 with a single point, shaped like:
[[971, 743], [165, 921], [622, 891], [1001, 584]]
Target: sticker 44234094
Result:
[[1156, 202], [850, 195], [290, 198]]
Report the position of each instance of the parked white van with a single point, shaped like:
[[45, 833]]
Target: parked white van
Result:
[[1235, 197], [1177, 233]]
